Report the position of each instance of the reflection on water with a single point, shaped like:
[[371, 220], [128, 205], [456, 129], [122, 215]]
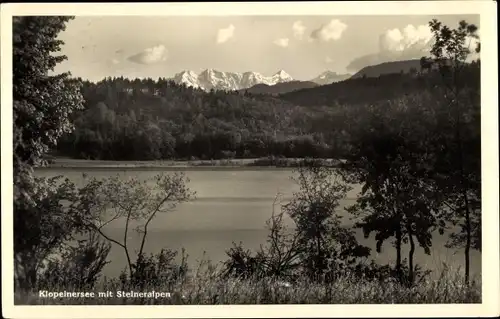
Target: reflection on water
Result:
[[233, 206]]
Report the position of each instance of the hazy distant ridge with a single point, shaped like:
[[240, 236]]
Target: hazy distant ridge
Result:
[[404, 66]]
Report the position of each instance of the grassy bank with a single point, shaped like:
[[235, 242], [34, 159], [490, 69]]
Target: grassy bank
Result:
[[212, 290]]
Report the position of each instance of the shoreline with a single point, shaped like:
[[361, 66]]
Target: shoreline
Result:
[[247, 164]]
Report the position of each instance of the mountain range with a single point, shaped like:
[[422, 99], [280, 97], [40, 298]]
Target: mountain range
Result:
[[329, 77], [213, 79], [282, 82]]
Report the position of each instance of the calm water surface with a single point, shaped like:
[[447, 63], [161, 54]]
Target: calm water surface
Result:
[[233, 205]]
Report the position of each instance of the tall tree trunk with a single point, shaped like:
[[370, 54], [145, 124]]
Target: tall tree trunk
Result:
[[462, 178], [319, 266], [464, 190], [468, 241], [399, 236], [410, 256], [398, 251]]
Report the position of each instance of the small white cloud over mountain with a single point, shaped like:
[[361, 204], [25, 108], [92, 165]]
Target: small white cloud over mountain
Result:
[[410, 42], [410, 37], [151, 55], [330, 31], [224, 34], [329, 77], [298, 29], [283, 42]]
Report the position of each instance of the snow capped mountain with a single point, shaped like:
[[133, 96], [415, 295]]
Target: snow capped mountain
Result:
[[281, 76], [188, 77], [212, 79], [329, 77], [217, 80]]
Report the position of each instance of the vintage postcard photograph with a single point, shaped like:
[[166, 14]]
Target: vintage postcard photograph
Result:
[[250, 159]]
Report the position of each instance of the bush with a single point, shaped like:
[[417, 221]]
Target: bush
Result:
[[79, 267], [156, 270]]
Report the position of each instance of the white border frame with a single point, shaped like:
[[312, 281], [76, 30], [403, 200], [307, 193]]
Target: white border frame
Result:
[[489, 130]]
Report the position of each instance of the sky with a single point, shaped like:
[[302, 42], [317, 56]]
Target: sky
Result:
[[302, 46]]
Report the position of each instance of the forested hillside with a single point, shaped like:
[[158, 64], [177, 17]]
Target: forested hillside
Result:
[[405, 66], [145, 119], [364, 90], [280, 88]]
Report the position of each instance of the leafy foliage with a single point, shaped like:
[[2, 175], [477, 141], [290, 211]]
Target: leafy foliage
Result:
[[41, 109], [388, 157], [323, 243], [457, 169], [319, 247], [418, 156], [78, 267], [156, 269], [42, 225], [42, 103], [136, 203]]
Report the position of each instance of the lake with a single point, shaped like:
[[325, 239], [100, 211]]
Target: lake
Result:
[[233, 205]]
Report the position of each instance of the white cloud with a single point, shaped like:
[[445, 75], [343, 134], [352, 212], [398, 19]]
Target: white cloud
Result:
[[283, 42], [411, 37], [331, 31], [115, 61], [411, 42], [150, 55], [328, 60], [298, 29], [225, 34]]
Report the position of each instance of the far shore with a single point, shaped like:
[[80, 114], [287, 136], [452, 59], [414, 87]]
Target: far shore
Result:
[[265, 162]]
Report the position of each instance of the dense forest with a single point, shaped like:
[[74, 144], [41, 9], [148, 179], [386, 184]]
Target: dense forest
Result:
[[280, 88], [126, 120]]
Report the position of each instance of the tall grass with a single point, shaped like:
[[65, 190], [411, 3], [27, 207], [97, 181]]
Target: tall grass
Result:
[[208, 288]]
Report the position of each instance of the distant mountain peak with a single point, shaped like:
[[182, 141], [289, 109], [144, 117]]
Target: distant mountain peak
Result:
[[208, 71], [328, 73], [283, 75], [328, 77], [188, 77], [281, 72]]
